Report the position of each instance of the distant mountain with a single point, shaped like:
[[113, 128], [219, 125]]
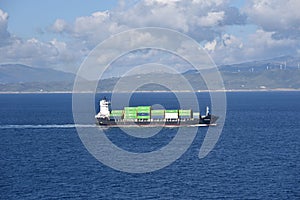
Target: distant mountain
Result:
[[281, 63], [233, 80], [278, 73], [17, 73]]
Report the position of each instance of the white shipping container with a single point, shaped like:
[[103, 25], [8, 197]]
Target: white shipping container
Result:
[[196, 115], [171, 115]]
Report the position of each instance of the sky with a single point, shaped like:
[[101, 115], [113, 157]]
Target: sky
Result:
[[60, 34]]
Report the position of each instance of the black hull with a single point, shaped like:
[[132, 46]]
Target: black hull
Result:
[[204, 121]]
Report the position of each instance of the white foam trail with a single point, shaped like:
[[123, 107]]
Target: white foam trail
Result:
[[46, 126]]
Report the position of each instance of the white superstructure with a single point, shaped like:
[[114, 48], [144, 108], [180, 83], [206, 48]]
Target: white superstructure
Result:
[[104, 109]]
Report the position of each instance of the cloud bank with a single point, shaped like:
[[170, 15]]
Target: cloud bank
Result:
[[277, 31]]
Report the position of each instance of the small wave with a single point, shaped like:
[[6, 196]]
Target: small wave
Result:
[[45, 126]]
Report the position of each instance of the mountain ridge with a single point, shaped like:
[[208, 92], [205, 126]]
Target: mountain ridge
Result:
[[269, 74], [18, 73]]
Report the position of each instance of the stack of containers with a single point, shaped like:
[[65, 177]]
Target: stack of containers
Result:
[[117, 114], [196, 115], [171, 114], [143, 112], [157, 114], [130, 113], [185, 114]]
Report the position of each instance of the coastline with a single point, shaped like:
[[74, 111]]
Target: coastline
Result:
[[155, 91]]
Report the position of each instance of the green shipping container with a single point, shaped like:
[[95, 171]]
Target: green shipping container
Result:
[[143, 109], [130, 116], [116, 113], [130, 113], [143, 117], [130, 109], [185, 112], [157, 112]]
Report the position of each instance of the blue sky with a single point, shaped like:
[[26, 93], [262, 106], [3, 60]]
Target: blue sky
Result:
[[59, 34], [43, 13]]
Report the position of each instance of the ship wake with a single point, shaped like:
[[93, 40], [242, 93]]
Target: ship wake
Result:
[[46, 126]]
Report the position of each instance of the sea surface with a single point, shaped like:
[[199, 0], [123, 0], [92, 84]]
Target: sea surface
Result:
[[256, 157]]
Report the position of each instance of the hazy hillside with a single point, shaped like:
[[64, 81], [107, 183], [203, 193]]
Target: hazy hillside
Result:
[[277, 73], [16, 73], [282, 63], [269, 79]]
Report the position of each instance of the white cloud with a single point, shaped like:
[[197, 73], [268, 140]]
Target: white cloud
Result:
[[90, 30], [191, 17], [30, 51], [88, 23], [13, 49], [211, 19], [65, 54], [210, 46], [153, 13], [3, 20], [259, 45], [226, 49], [280, 17], [59, 26], [232, 41], [211, 3], [263, 44], [165, 2], [4, 34], [54, 54], [34, 52]]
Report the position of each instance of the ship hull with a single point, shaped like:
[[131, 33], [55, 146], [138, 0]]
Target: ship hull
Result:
[[204, 121]]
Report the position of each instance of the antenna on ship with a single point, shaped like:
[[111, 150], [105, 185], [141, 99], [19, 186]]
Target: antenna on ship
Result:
[[207, 111], [285, 65]]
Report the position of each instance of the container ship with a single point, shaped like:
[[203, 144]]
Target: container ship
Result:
[[148, 117]]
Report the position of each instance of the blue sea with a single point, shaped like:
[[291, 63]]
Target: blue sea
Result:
[[257, 155]]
